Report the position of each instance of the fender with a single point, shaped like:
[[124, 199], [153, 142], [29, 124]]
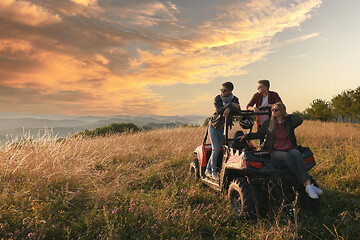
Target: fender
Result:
[[200, 151]]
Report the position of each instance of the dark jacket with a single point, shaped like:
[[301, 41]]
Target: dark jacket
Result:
[[257, 100], [292, 122], [217, 120]]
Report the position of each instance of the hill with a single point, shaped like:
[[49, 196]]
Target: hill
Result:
[[136, 186], [16, 124]]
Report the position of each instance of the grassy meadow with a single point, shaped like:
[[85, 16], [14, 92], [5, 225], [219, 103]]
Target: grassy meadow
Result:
[[136, 186]]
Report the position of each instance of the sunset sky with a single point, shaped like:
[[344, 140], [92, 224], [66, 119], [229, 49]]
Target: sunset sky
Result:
[[132, 57]]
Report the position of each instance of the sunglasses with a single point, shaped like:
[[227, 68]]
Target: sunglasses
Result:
[[224, 90], [275, 110]]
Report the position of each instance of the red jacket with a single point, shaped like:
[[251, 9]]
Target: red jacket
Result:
[[257, 100]]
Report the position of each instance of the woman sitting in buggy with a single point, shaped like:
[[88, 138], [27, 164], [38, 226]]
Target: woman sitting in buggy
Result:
[[281, 143]]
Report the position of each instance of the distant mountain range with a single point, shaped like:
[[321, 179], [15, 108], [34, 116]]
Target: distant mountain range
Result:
[[14, 125]]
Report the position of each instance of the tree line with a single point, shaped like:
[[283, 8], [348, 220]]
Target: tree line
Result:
[[115, 128], [345, 105]]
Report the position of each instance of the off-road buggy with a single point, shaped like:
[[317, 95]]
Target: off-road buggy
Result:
[[255, 183]]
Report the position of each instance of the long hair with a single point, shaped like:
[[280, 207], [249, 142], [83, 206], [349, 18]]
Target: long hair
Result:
[[282, 109]]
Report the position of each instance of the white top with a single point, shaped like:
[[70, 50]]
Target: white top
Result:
[[263, 118], [265, 100]]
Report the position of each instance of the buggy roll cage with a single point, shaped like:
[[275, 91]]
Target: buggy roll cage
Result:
[[237, 114]]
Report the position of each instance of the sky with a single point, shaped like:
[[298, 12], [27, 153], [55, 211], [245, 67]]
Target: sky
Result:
[[132, 57]]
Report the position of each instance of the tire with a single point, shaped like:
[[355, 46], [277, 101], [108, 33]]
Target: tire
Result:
[[194, 172], [306, 201], [243, 198]]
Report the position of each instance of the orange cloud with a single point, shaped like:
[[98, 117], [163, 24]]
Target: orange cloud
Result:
[[27, 13], [85, 2], [224, 45], [147, 14], [14, 46], [58, 79], [101, 57]]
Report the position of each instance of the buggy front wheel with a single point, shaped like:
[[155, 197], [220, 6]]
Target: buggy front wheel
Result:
[[194, 170]]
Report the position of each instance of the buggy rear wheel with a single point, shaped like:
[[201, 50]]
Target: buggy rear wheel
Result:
[[194, 170], [243, 195]]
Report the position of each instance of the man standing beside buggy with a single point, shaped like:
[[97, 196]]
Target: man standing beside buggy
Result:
[[263, 101], [224, 103]]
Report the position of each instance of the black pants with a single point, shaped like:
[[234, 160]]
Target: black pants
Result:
[[261, 140]]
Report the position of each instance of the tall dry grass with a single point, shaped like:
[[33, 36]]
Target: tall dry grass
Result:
[[136, 186], [101, 172], [337, 150]]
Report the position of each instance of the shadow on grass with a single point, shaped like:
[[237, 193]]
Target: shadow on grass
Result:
[[337, 218]]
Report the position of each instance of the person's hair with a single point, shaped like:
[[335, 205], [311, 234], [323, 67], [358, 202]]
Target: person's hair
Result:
[[282, 109], [266, 83], [228, 85]]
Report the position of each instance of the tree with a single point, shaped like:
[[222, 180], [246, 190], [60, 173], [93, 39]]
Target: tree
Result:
[[304, 115], [111, 129], [320, 110], [206, 122], [342, 104], [355, 108]]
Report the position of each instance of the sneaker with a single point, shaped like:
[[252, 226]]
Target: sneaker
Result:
[[311, 191], [317, 190], [208, 173], [215, 176]]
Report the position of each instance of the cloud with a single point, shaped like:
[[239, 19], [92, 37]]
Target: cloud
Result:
[[15, 46], [76, 86], [239, 35], [302, 38], [143, 14], [27, 13], [100, 57], [85, 2], [297, 56]]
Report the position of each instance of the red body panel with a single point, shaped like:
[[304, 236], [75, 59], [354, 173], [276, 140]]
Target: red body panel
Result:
[[309, 160], [201, 152], [258, 165]]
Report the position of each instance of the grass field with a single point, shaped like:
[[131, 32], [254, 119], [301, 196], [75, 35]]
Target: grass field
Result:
[[136, 186]]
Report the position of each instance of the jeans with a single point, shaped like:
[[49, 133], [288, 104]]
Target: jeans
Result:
[[294, 161], [217, 140]]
